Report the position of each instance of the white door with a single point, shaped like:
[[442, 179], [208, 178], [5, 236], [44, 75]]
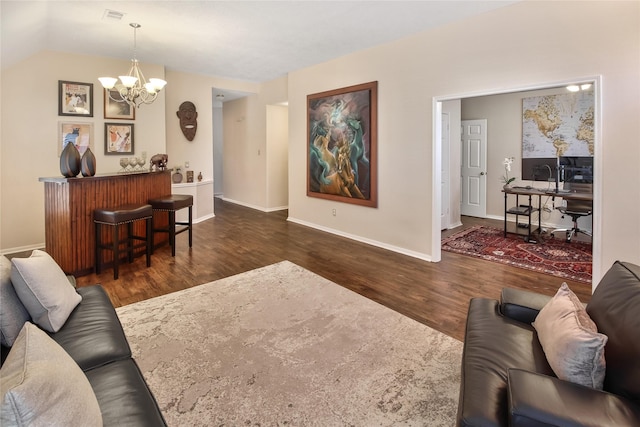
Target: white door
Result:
[[445, 177], [474, 168]]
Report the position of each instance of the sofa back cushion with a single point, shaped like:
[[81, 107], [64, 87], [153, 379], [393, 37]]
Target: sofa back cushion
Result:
[[13, 315], [615, 308]]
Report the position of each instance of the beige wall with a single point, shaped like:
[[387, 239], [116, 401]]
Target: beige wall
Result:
[[277, 156], [523, 45], [30, 135], [197, 89], [250, 175]]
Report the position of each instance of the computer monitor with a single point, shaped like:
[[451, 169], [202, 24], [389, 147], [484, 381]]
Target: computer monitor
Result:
[[572, 168], [539, 169], [576, 169]]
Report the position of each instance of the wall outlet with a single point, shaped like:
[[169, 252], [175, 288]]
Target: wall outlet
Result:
[[333, 212]]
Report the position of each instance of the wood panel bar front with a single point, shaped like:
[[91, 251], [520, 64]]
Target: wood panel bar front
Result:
[[69, 206]]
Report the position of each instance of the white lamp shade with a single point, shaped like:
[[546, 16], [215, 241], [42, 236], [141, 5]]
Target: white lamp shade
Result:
[[128, 81], [150, 88], [158, 84], [108, 82]]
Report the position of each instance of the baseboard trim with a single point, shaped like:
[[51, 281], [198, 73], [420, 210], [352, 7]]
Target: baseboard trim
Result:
[[18, 249], [258, 208], [360, 239]]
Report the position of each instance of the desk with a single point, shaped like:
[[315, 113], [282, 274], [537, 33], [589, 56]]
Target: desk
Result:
[[528, 210]]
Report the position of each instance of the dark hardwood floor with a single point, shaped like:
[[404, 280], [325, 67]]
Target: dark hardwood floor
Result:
[[240, 239]]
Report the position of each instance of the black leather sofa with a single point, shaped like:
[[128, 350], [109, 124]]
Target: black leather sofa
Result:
[[507, 381], [93, 337]]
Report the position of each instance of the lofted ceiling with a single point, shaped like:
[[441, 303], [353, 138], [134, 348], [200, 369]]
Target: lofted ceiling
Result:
[[245, 40]]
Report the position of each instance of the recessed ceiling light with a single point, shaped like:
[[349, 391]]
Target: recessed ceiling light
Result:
[[573, 88]]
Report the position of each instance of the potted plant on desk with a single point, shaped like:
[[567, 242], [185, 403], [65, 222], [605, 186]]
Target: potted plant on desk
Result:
[[507, 168]]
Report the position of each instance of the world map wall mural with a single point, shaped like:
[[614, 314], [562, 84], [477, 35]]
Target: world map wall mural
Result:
[[558, 125], [558, 137]]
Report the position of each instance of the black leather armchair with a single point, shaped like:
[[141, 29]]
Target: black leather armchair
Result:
[[506, 380]]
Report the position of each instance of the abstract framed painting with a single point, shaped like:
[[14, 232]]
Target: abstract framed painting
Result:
[[118, 109], [342, 153], [78, 133], [75, 99], [118, 138]]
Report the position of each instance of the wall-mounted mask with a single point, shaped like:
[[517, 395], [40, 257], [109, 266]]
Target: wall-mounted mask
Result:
[[188, 119]]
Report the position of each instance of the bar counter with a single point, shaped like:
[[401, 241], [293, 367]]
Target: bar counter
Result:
[[69, 205]]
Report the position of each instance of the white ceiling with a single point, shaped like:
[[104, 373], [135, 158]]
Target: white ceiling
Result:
[[246, 40]]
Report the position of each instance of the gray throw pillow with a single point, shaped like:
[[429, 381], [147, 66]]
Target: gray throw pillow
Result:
[[41, 385], [570, 340], [44, 290], [13, 314]]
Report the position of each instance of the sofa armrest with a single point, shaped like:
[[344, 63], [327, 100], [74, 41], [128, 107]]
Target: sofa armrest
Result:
[[540, 400], [520, 305]]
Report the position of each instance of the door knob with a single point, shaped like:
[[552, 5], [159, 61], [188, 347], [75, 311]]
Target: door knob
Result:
[[481, 173]]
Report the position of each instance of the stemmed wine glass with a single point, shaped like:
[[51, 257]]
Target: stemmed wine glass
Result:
[[133, 161], [141, 161], [124, 162]]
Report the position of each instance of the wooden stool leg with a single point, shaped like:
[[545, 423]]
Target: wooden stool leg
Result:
[[153, 232], [190, 226], [116, 251], [149, 239], [98, 261], [130, 242], [172, 232]]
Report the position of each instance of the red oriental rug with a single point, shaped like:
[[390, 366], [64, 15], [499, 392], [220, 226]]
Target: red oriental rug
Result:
[[553, 256]]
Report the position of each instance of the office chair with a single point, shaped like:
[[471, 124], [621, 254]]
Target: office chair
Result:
[[576, 209]]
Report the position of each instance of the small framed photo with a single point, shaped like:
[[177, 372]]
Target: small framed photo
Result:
[[75, 99], [118, 138], [116, 108], [189, 176], [78, 133]]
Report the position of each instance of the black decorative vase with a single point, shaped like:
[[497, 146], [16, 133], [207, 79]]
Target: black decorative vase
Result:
[[70, 161], [88, 163]]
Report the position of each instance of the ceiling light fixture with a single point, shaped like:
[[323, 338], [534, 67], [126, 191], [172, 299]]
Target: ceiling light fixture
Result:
[[220, 97], [133, 88], [577, 88]]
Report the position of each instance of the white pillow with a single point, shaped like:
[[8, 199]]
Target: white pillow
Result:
[[13, 314], [570, 340], [42, 386], [44, 290]]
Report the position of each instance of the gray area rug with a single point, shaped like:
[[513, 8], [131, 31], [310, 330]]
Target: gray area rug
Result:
[[281, 345]]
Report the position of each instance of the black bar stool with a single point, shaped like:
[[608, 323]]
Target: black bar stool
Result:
[[170, 204], [126, 214]]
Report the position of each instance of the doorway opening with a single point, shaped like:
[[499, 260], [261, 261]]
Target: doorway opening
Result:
[[440, 104]]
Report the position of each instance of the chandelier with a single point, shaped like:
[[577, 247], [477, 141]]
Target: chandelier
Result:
[[133, 88]]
